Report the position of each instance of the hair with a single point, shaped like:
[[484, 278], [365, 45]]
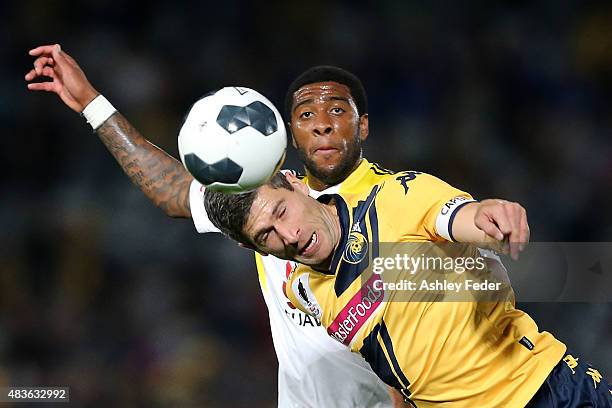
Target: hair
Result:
[[229, 212], [328, 73]]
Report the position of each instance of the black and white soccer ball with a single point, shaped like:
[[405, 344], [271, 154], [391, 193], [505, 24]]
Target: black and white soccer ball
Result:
[[233, 140]]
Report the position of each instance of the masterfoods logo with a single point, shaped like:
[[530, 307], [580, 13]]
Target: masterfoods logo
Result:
[[356, 312]]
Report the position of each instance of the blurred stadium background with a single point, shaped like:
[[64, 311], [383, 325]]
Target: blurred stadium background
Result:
[[101, 291]]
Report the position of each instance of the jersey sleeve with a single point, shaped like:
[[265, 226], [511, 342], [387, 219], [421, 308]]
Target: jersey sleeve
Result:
[[429, 204], [300, 293], [198, 211]]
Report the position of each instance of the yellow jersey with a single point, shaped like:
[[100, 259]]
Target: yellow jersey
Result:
[[435, 351]]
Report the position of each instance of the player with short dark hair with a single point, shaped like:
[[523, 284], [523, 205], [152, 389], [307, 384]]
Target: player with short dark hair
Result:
[[216, 206], [328, 73], [330, 149]]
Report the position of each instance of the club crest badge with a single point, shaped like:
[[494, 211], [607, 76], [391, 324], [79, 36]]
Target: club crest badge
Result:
[[356, 248]]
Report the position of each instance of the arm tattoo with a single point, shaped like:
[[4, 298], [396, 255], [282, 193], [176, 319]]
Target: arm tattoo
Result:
[[160, 176]]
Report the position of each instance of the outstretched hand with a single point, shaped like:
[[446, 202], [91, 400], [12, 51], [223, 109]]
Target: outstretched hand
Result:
[[505, 222], [68, 81]]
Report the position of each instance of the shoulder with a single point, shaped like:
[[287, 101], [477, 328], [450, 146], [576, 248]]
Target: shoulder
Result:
[[408, 182], [419, 202]]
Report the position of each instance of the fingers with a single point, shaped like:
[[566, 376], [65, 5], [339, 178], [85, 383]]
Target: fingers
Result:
[[48, 72], [58, 54], [47, 55], [519, 234], [31, 75], [487, 224], [43, 66], [36, 72], [43, 49], [524, 230], [509, 220], [512, 216], [41, 62], [42, 86]]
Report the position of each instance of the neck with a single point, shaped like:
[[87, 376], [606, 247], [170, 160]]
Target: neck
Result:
[[315, 183], [320, 185]]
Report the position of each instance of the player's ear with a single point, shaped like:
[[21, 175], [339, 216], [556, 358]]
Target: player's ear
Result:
[[252, 248], [296, 183], [364, 129]]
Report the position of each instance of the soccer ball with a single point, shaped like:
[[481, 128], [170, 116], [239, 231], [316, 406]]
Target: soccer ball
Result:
[[233, 140]]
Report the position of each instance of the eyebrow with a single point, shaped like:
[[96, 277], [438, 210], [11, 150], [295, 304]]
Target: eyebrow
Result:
[[327, 98], [263, 230]]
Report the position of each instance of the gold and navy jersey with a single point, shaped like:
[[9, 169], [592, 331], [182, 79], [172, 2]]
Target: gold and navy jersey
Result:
[[462, 353]]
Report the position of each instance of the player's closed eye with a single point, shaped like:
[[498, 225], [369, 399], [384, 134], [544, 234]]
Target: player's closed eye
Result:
[[261, 240]]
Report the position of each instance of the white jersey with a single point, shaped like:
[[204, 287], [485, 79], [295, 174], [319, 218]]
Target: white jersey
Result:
[[313, 369]]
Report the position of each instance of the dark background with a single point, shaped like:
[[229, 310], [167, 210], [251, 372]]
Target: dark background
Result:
[[102, 292]]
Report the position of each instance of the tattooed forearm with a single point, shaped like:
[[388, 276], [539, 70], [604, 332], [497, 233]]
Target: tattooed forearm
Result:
[[161, 177]]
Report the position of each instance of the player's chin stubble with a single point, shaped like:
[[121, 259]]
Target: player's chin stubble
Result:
[[338, 173]]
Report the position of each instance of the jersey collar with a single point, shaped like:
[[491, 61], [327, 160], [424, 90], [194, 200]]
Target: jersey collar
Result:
[[351, 219], [345, 222]]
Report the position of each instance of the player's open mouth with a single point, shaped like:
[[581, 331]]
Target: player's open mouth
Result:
[[310, 244]]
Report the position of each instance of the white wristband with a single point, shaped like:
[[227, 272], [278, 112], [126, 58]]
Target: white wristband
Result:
[[97, 111]]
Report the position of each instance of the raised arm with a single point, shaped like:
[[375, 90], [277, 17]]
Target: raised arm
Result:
[[162, 178]]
